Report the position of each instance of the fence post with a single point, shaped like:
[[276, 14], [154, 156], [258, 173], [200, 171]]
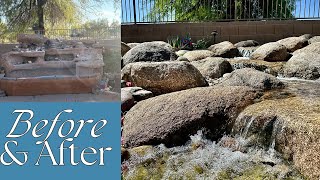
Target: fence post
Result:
[[134, 12]]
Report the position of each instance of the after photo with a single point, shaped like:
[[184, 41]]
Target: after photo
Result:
[[220, 89]]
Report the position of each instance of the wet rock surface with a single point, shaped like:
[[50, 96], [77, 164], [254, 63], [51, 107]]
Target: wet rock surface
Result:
[[291, 126]]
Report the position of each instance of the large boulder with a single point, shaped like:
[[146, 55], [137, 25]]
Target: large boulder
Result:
[[274, 68], [291, 126], [314, 39], [155, 51], [124, 48], [294, 43], [213, 67], [304, 65], [273, 51], [163, 77], [252, 78], [172, 118], [198, 54], [224, 49], [311, 48], [247, 43]]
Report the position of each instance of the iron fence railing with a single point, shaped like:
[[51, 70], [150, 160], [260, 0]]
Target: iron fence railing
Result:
[[67, 34], [157, 11]]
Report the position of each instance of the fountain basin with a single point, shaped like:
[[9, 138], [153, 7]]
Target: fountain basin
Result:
[[42, 85]]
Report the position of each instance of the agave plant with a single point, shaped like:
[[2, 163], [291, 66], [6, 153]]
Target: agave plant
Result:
[[180, 42]]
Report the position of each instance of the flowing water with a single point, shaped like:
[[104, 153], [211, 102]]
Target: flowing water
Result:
[[204, 159], [229, 158]]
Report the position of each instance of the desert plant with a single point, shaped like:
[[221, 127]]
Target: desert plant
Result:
[[203, 43], [180, 42]]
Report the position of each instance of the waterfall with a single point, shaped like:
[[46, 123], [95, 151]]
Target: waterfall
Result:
[[246, 128]]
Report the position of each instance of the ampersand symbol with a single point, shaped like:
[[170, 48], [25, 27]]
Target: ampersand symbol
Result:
[[12, 156]]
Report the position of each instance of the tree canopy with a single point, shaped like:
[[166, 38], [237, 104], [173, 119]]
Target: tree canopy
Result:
[[22, 14], [208, 10]]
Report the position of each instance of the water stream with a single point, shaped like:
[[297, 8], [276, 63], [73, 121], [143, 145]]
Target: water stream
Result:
[[229, 158]]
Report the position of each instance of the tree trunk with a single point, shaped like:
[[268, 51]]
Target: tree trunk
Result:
[[41, 29]]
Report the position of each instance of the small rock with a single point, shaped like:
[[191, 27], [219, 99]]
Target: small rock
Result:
[[181, 52], [182, 58]]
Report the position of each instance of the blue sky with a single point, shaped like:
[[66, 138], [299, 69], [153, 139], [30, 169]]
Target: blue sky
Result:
[[311, 8], [106, 10]]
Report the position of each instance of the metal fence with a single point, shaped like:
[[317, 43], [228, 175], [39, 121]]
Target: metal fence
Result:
[[67, 34], [157, 11]]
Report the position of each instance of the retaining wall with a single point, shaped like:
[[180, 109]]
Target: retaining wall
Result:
[[262, 31]]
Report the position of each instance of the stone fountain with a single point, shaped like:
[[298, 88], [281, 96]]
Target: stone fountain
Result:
[[40, 66]]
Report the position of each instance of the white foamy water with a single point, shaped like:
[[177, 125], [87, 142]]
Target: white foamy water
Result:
[[204, 159], [296, 79]]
